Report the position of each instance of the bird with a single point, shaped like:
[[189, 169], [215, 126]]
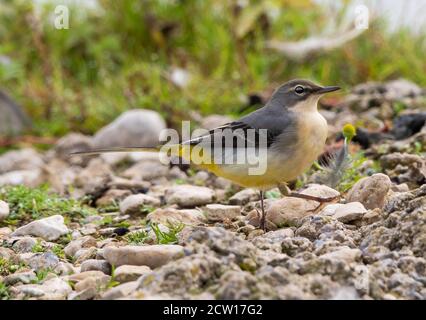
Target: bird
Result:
[[285, 136]]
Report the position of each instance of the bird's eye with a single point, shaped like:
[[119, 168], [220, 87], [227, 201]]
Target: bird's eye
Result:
[[299, 90]]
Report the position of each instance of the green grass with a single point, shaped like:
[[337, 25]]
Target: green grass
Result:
[[82, 78], [27, 204], [137, 237], [169, 237], [8, 267], [4, 292]]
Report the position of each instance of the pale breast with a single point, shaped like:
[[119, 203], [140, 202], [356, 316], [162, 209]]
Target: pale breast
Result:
[[312, 134]]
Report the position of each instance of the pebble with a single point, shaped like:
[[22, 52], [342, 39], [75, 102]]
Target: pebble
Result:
[[221, 212], [54, 288], [4, 210], [174, 216], [136, 127], [243, 197], [370, 191], [189, 196], [152, 256], [50, 228], [24, 244], [134, 203], [84, 242], [96, 265], [349, 212], [127, 273]]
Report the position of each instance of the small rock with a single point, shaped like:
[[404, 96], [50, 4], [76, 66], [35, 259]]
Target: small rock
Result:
[[50, 228], [344, 253], [30, 178], [18, 160], [112, 196], [288, 211], [127, 273], [94, 178], [46, 260], [189, 196], [372, 216], [94, 283], [173, 216], [54, 288], [25, 244], [86, 294], [74, 246], [96, 265], [152, 256], [146, 170], [220, 212], [120, 291], [137, 127], [370, 191], [279, 235], [134, 203], [4, 210], [20, 277], [244, 196], [73, 142], [349, 212]]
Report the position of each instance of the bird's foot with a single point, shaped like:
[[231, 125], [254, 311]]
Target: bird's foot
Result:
[[321, 201]]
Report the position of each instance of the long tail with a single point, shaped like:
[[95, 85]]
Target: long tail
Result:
[[111, 150]]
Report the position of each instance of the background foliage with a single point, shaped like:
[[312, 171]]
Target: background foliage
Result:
[[120, 55]]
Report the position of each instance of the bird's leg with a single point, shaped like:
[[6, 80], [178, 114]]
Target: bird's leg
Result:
[[263, 217], [285, 191]]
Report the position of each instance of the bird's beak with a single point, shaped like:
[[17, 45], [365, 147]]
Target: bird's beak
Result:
[[323, 90]]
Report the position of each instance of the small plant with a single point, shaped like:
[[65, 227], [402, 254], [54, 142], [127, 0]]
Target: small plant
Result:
[[58, 250], [8, 267], [169, 237], [145, 209], [41, 275], [137, 237], [4, 292], [38, 248], [272, 194], [33, 203], [112, 282]]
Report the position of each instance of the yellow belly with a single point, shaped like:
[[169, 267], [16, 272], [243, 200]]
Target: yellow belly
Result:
[[312, 133]]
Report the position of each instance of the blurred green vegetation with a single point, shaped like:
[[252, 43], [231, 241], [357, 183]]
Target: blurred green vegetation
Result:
[[118, 56]]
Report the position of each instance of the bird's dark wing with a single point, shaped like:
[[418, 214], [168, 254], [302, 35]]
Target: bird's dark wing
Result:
[[248, 128]]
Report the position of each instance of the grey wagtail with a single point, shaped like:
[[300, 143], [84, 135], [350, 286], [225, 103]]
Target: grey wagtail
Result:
[[293, 132]]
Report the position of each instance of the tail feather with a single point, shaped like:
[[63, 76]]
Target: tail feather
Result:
[[111, 150]]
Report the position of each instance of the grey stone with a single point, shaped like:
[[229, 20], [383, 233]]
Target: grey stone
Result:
[[220, 212], [152, 256], [96, 265], [4, 210], [189, 196], [134, 203], [137, 127], [50, 228], [370, 191]]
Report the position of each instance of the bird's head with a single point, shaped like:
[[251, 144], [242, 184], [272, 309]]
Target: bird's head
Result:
[[300, 95]]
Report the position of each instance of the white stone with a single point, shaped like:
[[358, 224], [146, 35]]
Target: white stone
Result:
[[152, 256], [134, 203], [220, 212], [173, 216], [189, 196], [4, 210], [136, 127], [50, 228], [349, 212], [370, 191], [127, 273]]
